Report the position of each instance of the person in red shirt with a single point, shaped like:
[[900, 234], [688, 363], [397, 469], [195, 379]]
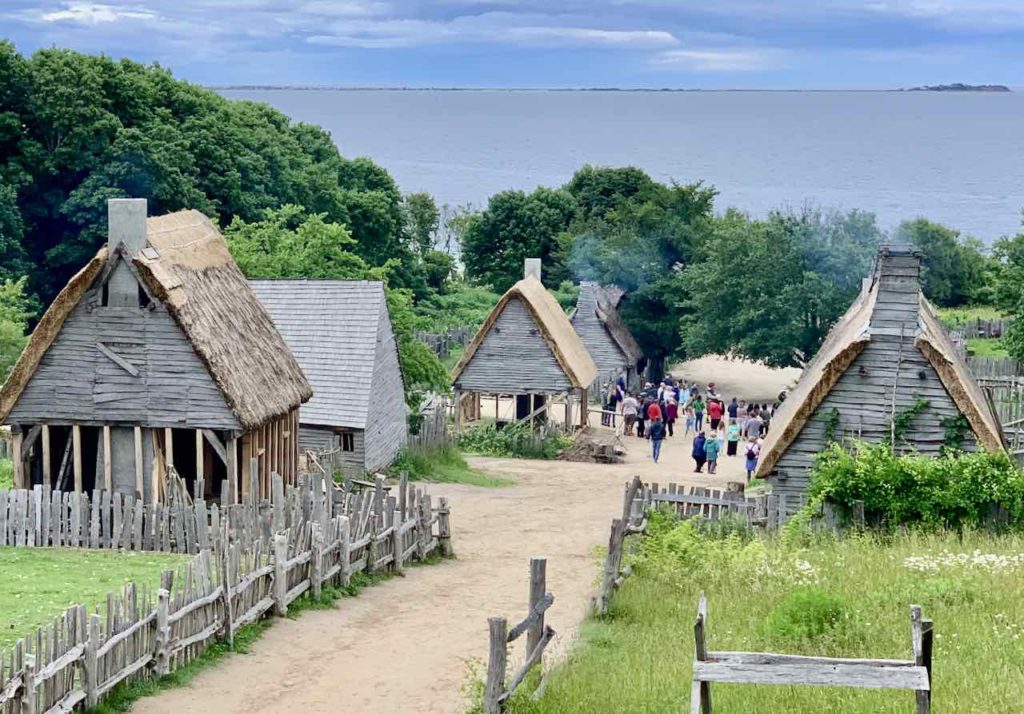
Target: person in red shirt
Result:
[[654, 412], [715, 410]]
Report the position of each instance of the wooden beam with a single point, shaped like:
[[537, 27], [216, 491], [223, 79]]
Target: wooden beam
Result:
[[156, 476], [46, 454], [18, 459], [139, 487], [29, 440], [231, 450], [169, 448], [117, 359], [217, 444], [108, 475], [76, 437], [200, 462]]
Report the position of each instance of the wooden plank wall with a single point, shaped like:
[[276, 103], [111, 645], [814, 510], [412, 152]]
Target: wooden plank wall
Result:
[[275, 446]]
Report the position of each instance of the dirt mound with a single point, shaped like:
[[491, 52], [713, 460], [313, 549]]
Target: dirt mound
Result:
[[594, 445]]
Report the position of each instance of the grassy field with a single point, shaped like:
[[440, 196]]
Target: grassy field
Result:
[[959, 315], [453, 358], [36, 584], [849, 598], [6, 475], [444, 465], [986, 348]]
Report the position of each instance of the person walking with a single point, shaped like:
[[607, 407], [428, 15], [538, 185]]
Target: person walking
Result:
[[688, 412], [698, 412], [654, 411], [711, 448], [671, 414], [752, 429], [657, 435], [715, 413], [700, 456], [734, 408], [753, 451], [732, 437], [630, 407], [641, 419]]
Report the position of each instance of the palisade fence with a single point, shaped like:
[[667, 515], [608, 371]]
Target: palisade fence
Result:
[[433, 429], [442, 343], [249, 565]]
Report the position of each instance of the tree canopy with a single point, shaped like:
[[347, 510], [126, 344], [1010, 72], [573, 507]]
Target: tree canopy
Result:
[[954, 268]]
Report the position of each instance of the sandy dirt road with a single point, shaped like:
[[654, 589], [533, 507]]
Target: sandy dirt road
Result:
[[405, 645]]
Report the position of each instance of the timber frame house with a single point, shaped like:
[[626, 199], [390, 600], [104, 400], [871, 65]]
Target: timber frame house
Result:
[[610, 343], [155, 356], [526, 349], [888, 355]]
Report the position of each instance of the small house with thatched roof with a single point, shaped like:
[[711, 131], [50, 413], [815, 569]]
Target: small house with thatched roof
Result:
[[610, 343], [155, 356], [340, 332], [526, 349], [888, 361]]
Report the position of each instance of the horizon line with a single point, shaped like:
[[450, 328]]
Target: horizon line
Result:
[[384, 88]]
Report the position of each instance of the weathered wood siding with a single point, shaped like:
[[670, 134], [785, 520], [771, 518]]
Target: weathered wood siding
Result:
[[514, 358], [387, 422], [76, 382], [863, 394], [321, 438], [605, 351]]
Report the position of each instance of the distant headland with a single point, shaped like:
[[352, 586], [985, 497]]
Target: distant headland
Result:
[[960, 87]]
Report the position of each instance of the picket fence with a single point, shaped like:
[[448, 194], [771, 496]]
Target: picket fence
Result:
[[433, 429], [82, 655]]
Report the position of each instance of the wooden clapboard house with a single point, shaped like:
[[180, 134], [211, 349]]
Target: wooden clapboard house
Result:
[[887, 354], [610, 343], [526, 349], [156, 355], [340, 332]]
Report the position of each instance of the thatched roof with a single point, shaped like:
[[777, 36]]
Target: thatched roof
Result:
[[188, 268], [608, 297], [554, 324], [844, 343]]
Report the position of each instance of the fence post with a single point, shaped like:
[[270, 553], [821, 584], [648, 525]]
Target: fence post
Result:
[[280, 574], [611, 567], [496, 663], [28, 698], [227, 585], [395, 537], [444, 528], [316, 567], [858, 515], [162, 656], [346, 554], [538, 589], [403, 487]]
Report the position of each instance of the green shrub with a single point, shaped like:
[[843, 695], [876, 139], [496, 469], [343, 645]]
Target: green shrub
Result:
[[6, 475], [443, 464], [952, 490], [519, 441], [807, 613]]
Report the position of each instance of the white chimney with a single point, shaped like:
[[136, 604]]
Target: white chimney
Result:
[[531, 266], [126, 224]]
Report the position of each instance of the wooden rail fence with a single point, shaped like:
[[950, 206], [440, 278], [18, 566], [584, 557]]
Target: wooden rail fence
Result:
[[770, 668], [538, 636], [82, 655]]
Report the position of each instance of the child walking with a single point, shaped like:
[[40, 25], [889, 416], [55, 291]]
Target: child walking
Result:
[[711, 449]]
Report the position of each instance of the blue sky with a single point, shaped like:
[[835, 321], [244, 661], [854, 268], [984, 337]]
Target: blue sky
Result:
[[544, 43]]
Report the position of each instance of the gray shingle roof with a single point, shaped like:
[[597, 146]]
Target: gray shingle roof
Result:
[[331, 326]]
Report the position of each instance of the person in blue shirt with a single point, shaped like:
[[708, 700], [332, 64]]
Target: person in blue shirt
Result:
[[700, 455]]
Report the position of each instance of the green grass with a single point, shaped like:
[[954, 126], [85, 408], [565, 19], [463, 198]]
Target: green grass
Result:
[[444, 465], [453, 358], [37, 584], [980, 347], [961, 315], [852, 601], [6, 475]]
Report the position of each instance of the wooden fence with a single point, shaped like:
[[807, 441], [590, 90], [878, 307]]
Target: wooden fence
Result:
[[433, 425], [82, 655], [442, 343], [538, 636], [104, 520], [770, 668], [980, 327], [995, 367]]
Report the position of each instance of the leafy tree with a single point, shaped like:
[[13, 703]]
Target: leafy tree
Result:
[[601, 190], [423, 219], [516, 226], [439, 268], [15, 310], [1008, 281], [953, 267]]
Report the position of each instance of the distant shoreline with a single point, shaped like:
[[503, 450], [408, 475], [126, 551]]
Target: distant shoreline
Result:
[[948, 89]]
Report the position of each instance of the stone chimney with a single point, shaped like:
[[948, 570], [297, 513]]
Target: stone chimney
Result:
[[531, 266], [126, 225], [897, 305]]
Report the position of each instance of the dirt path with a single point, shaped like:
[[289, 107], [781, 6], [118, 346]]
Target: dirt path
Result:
[[405, 645]]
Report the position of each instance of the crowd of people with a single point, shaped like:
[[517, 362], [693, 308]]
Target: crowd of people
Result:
[[653, 413]]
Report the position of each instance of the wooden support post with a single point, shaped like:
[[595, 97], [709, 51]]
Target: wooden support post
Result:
[[28, 695], [700, 694], [227, 584], [345, 548], [444, 531], [396, 537], [162, 655], [169, 448], [921, 634], [316, 566], [231, 451], [280, 574], [18, 460], [76, 439], [139, 485], [46, 454], [108, 475], [496, 664], [200, 455], [538, 589], [611, 567], [457, 395], [90, 664]]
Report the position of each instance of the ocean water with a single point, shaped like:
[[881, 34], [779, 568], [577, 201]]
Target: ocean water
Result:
[[953, 158]]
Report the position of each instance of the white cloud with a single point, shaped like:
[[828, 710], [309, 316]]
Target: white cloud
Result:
[[722, 59], [87, 13]]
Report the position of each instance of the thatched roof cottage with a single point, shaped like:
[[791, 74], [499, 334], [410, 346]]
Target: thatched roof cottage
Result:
[[887, 354], [340, 332], [610, 343], [526, 349], [155, 354]]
